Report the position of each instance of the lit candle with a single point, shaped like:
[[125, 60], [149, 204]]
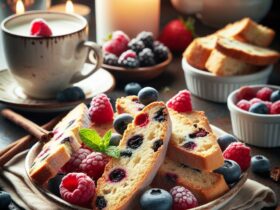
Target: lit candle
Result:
[[20, 7], [130, 16], [70, 7]]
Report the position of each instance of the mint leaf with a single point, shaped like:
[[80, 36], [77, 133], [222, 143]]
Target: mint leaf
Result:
[[113, 151], [90, 138], [106, 138]]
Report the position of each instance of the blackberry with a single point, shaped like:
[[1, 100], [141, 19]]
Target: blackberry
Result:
[[161, 53], [147, 38], [110, 59], [136, 45], [130, 63], [146, 57]]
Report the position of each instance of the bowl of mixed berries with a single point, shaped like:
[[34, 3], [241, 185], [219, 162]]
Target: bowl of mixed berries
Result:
[[255, 114], [138, 58]]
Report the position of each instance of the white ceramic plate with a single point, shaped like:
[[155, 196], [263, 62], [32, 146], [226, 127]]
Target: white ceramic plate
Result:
[[215, 204]]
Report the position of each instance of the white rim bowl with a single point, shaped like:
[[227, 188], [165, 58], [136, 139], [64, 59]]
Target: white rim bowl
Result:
[[215, 88], [255, 129]]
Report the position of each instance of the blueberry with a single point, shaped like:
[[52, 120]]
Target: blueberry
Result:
[[226, 140], [259, 108], [132, 88], [275, 96], [148, 95], [260, 165], [5, 200], [117, 175], [121, 121], [115, 139], [135, 141], [230, 170], [155, 198], [70, 94]]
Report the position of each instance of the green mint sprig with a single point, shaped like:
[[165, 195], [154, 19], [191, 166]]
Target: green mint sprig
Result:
[[99, 144]]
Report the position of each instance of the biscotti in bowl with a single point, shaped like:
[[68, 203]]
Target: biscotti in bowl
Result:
[[254, 128]]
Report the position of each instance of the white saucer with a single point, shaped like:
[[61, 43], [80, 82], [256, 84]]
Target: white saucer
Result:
[[13, 96]]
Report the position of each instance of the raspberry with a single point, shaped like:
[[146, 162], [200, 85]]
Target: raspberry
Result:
[[110, 59], [264, 93], [118, 44], [77, 188], [136, 45], [255, 100], [39, 27], [125, 55], [246, 92], [93, 165], [275, 108], [146, 57], [181, 102], [240, 153], [121, 37], [244, 104], [101, 110], [74, 163], [182, 198]]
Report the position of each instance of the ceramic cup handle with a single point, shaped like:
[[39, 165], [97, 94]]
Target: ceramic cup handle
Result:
[[95, 57]]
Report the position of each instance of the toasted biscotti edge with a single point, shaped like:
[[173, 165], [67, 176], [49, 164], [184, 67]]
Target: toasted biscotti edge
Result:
[[222, 65], [152, 169]]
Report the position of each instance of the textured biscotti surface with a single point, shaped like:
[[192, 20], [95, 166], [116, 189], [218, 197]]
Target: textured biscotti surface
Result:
[[206, 186], [128, 104], [143, 148], [58, 150], [192, 142]]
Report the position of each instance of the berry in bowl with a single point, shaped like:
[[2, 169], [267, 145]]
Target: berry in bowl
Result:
[[217, 64], [255, 114], [139, 58]]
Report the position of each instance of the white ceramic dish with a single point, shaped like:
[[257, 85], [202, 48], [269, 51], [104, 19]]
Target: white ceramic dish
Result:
[[213, 88], [255, 129], [215, 204]]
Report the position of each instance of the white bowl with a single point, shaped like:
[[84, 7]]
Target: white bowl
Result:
[[214, 88], [255, 129]]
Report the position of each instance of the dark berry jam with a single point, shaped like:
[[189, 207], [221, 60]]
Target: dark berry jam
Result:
[[100, 202], [160, 115], [189, 145], [200, 133], [126, 153], [135, 141], [157, 144], [171, 177], [142, 119], [117, 175]]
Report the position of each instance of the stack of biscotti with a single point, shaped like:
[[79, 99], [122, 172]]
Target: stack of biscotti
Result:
[[239, 48], [193, 150], [142, 149], [59, 149]]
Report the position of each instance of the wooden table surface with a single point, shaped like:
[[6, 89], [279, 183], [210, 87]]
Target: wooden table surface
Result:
[[169, 83]]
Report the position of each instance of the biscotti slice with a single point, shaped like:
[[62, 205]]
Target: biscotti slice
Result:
[[221, 65], [58, 150], [192, 141], [206, 186], [248, 31], [143, 148], [246, 52], [199, 50], [129, 104]]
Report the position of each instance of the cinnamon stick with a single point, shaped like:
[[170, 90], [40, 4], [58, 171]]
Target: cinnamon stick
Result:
[[27, 125], [24, 143]]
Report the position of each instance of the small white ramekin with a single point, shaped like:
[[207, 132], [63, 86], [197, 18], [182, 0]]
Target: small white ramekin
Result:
[[214, 88], [255, 129]]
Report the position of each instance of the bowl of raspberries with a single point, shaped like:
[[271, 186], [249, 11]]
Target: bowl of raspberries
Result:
[[138, 58], [255, 114]]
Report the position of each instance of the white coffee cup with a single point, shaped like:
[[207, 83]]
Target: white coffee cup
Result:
[[42, 66]]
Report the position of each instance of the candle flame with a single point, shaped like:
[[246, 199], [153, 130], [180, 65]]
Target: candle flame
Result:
[[20, 7], [69, 6]]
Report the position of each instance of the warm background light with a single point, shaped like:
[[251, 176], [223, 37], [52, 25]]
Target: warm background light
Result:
[[20, 7], [69, 6]]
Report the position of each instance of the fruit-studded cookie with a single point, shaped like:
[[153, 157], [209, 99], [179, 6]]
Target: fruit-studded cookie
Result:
[[142, 151]]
